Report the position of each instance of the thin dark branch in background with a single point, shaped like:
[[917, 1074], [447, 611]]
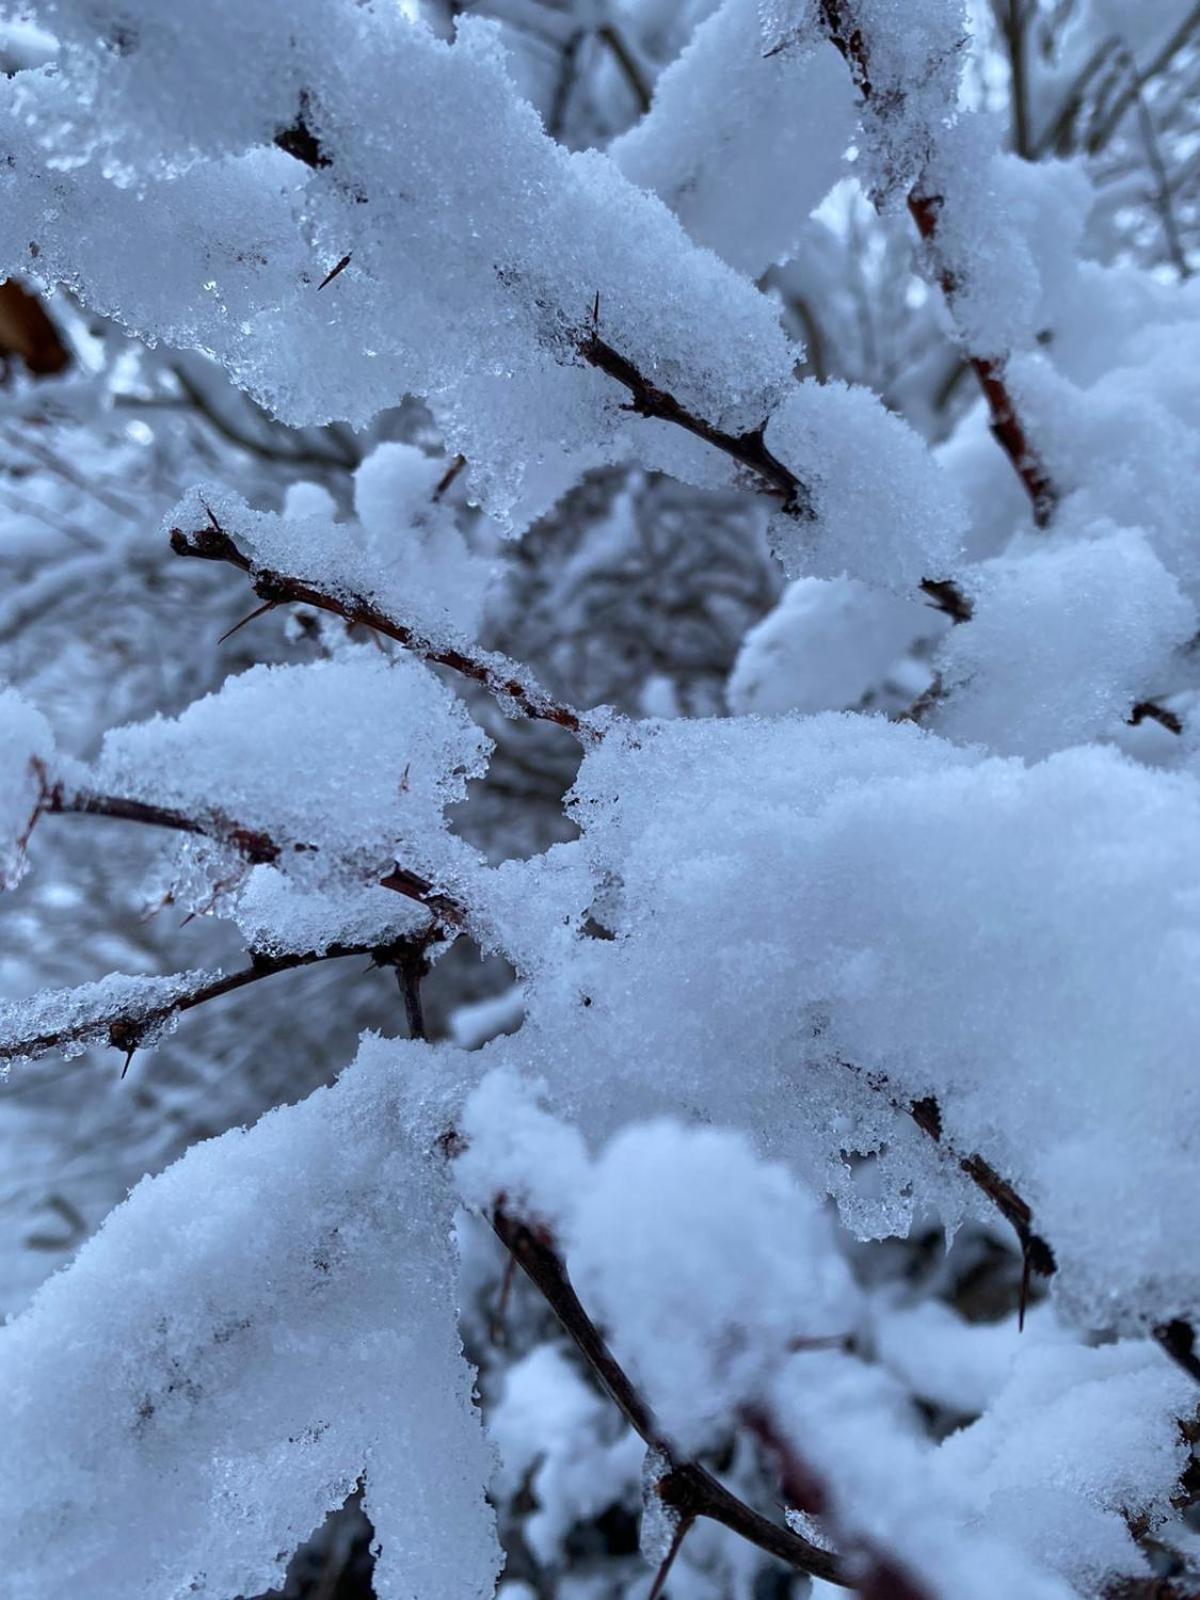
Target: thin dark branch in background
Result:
[[1103, 132], [1163, 202], [343, 459], [1060, 134], [568, 69], [1014, 24], [630, 69]]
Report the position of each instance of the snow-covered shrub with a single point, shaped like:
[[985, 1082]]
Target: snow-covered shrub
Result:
[[663, 532]]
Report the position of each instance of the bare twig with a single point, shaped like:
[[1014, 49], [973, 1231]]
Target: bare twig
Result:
[[448, 477], [1007, 427]]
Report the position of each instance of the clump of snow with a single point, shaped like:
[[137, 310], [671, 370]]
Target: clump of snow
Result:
[[708, 1265], [25, 741], [518, 1154], [412, 545], [871, 916], [1008, 236], [252, 1331], [1064, 640], [741, 144], [554, 1431], [906, 60], [827, 646], [885, 512], [343, 763], [470, 280], [68, 1021], [279, 916], [1124, 445]]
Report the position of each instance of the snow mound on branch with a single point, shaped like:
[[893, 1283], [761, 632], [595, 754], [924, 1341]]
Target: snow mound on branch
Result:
[[909, 52], [872, 916], [885, 511], [476, 246], [1064, 641], [250, 1333], [709, 1265], [342, 763], [741, 145], [827, 645], [25, 739], [68, 1021]]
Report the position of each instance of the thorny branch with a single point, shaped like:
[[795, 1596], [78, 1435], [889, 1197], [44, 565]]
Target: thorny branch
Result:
[[256, 847], [129, 1031], [748, 449], [510, 685], [925, 210], [1007, 427], [1176, 1336]]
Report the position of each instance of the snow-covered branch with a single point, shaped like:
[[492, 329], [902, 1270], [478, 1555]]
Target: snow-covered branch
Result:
[[514, 687]]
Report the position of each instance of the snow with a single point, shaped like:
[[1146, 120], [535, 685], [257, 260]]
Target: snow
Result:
[[25, 739], [344, 763], [885, 512], [491, 317], [518, 1155], [702, 146], [827, 877], [246, 1336], [774, 1001], [1066, 638], [553, 1430], [68, 1021], [707, 1265], [827, 646], [1008, 235]]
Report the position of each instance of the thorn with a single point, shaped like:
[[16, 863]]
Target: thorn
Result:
[[208, 512], [596, 312], [333, 272], [448, 477], [129, 1055], [267, 605], [682, 1529]]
